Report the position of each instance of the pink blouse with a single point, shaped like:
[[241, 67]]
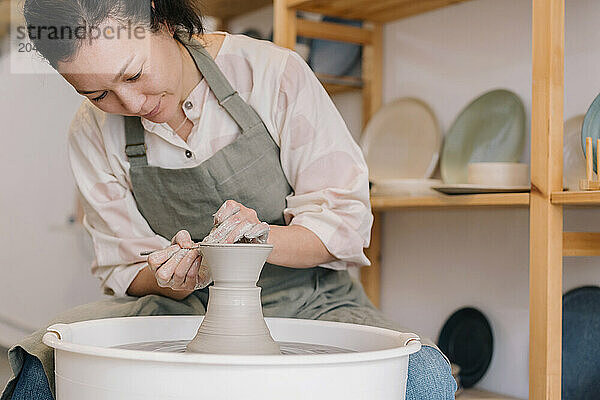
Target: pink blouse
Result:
[[320, 159]]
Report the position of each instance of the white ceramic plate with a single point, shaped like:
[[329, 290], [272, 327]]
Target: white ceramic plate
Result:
[[573, 155], [468, 188], [405, 187], [401, 141]]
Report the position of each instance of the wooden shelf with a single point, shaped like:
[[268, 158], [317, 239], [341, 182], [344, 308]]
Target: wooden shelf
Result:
[[335, 88], [340, 84], [591, 198], [376, 11], [384, 203], [227, 9], [476, 394]]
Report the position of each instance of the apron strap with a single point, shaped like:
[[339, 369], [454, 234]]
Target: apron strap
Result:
[[244, 115], [135, 146]]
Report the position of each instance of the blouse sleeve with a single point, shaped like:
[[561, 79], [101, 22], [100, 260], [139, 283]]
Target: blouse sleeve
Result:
[[119, 232], [324, 166]]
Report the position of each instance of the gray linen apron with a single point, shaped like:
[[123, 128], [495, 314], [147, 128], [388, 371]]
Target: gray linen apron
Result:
[[248, 171]]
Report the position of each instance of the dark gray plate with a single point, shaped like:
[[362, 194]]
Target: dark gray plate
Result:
[[466, 338], [581, 344]]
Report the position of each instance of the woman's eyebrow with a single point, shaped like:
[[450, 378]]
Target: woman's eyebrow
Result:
[[122, 71], [116, 78]]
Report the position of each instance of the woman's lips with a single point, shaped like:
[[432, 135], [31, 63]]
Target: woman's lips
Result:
[[155, 111]]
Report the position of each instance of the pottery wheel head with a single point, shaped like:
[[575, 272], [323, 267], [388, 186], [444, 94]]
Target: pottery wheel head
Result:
[[235, 265]]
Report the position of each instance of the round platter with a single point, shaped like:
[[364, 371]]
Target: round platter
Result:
[[580, 338], [402, 141], [466, 338], [491, 128]]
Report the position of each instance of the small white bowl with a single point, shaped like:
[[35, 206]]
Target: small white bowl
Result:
[[498, 174]]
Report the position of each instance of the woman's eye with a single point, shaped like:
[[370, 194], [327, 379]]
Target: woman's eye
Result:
[[103, 95], [136, 77]]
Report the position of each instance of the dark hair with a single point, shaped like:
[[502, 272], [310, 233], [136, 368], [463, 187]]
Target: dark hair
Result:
[[49, 20]]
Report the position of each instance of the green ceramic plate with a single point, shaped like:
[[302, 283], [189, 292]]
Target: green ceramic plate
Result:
[[591, 127], [491, 128]]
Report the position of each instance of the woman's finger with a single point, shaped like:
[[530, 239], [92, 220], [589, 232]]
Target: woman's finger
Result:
[[220, 232], [229, 208], [183, 239], [182, 269], [191, 278], [157, 258], [165, 272], [238, 232], [259, 233]]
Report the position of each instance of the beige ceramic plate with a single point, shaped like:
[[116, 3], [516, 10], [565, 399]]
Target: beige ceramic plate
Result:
[[468, 188], [402, 141]]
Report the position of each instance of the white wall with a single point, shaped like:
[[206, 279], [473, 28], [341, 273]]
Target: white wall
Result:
[[437, 261], [44, 259]]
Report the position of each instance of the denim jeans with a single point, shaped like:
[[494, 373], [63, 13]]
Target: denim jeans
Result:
[[32, 383], [429, 378]]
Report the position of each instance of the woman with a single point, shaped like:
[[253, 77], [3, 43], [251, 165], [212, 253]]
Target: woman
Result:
[[179, 124]]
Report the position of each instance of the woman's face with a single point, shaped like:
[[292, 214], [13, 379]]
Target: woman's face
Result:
[[133, 74]]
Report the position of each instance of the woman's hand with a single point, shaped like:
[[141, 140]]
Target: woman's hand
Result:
[[235, 223], [179, 266], [293, 246]]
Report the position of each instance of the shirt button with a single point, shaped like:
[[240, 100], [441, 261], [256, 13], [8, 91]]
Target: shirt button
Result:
[[188, 105], [188, 154]]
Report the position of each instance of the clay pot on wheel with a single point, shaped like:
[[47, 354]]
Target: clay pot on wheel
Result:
[[234, 322]]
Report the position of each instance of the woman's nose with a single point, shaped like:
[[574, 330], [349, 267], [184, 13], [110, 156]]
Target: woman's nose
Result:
[[132, 100]]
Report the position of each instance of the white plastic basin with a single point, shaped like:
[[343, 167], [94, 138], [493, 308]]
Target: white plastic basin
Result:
[[88, 367]]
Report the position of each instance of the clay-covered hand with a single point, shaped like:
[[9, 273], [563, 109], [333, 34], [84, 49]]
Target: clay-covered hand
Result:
[[235, 223], [179, 266]]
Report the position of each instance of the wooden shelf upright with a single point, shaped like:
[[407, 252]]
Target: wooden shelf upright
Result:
[[545, 217]]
